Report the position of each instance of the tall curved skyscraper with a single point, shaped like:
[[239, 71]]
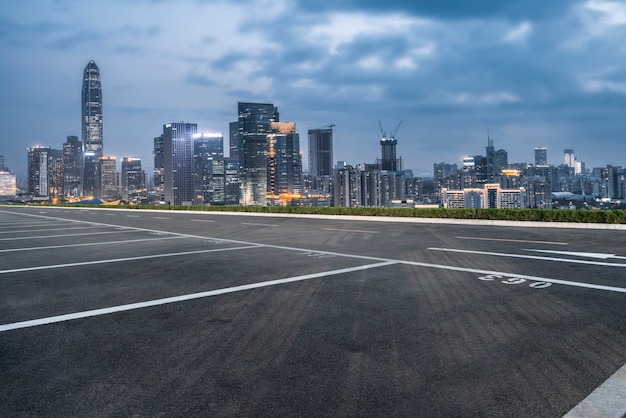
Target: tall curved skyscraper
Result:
[[92, 128]]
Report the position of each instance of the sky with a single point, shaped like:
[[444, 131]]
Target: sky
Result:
[[525, 73]]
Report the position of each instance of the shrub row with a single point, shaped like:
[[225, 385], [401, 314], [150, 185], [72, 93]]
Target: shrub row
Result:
[[541, 215]]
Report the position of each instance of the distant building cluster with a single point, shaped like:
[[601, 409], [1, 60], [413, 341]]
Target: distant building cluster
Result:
[[264, 167]]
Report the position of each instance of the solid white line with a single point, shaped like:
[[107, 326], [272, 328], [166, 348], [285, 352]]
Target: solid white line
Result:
[[48, 229], [70, 235], [51, 247], [602, 256], [607, 400], [532, 257], [160, 217], [202, 220], [157, 302], [256, 224], [119, 260], [513, 240]]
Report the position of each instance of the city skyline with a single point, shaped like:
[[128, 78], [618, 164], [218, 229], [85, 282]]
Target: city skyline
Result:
[[529, 73]]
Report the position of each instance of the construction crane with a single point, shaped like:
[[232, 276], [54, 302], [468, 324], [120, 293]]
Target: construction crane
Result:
[[382, 131], [396, 131]]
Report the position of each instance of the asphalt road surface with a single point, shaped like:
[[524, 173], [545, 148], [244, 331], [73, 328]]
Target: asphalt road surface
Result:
[[108, 312]]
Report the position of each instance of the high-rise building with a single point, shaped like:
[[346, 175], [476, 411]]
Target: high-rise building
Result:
[[92, 128], [72, 166], [56, 185], [178, 167], [208, 147], [321, 152], [157, 173], [254, 126], [568, 158], [1, 162], [132, 179], [39, 171], [388, 150], [541, 156], [233, 140], [284, 162], [108, 180]]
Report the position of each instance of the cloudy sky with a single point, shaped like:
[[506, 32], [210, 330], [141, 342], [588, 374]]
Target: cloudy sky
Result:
[[531, 73]]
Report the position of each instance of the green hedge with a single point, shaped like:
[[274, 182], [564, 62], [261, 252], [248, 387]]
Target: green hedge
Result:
[[542, 215]]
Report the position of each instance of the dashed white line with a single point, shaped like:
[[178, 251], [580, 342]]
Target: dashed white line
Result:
[[202, 220], [350, 230], [157, 302], [257, 224]]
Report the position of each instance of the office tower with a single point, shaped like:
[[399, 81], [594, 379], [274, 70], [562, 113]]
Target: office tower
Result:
[[132, 179], [233, 140], [489, 161], [157, 173], [56, 185], [92, 128], [388, 152], [108, 180], [500, 162], [178, 181], [208, 147], [541, 157], [284, 162], [568, 158], [254, 126], [321, 152], [72, 166], [39, 171], [1, 162]]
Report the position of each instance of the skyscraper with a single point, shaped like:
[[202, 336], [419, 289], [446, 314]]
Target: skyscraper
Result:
[[321, 152], [285, 162], [39, 171], [132, 179], [254, 126], [568, 158], [208, 147], [92, 128], [72, 166], [541, 157], [178, 180], [108, 181]]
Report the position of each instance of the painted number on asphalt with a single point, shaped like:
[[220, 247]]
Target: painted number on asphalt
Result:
[[317, 255], [514, 281]]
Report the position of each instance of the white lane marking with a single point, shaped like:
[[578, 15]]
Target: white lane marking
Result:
[[160, 217], [513, 240], [33, 224], [519, 276], [364, 257], [70, 235], [532, 257], [19, 231], [51, 247], [119, 260], [157, 302], [257, 224], [350, 230], [601, 256], [201, 220], [607, 400], [132, 216]]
